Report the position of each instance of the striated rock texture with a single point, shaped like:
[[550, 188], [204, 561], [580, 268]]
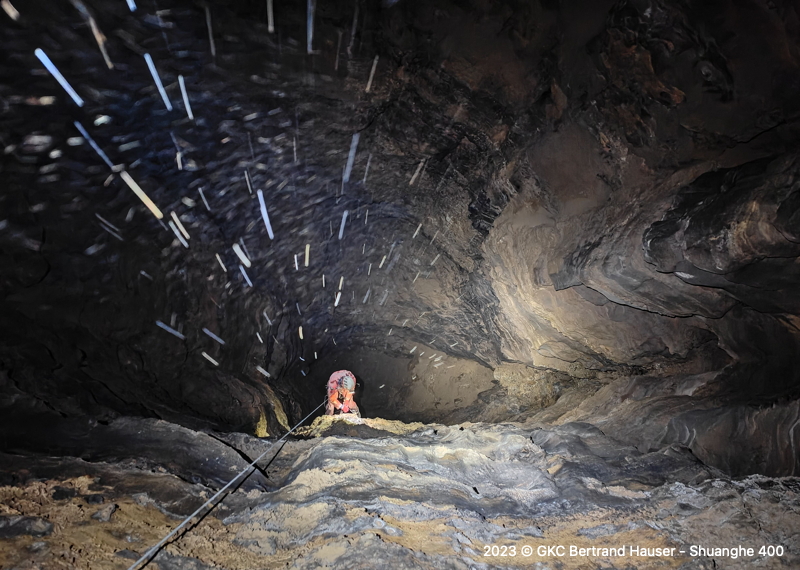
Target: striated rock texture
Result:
[[413, 496], [605, 192]]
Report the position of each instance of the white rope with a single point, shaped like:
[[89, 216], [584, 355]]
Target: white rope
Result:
[[151, 552]]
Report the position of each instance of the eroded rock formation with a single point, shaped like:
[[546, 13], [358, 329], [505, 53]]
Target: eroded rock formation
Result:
[[361, 495], [543, 212], [616, 195]]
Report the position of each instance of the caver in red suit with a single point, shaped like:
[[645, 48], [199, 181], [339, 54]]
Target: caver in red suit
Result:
[[341, 386]]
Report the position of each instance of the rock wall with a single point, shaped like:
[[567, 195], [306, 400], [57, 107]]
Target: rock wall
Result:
[[599, 190]]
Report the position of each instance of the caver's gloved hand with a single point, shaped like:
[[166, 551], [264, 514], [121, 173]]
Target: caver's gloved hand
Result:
[[345, 409]]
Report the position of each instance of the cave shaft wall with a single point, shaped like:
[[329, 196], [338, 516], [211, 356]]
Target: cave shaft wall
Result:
[[592, 187]]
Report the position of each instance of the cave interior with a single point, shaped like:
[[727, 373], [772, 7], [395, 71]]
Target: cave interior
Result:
[[556, 241]]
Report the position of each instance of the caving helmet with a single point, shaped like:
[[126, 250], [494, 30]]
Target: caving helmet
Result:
[[349, 382]]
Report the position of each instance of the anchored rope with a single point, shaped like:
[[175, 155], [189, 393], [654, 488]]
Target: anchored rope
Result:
[[146, 558]]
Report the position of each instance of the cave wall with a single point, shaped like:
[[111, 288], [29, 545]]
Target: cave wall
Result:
[[587, 187]]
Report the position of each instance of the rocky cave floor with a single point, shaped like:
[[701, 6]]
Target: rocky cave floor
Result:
[[372, 493]]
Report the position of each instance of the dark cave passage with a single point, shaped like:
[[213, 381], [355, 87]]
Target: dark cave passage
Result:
[[575, 225], [476, 207]]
